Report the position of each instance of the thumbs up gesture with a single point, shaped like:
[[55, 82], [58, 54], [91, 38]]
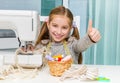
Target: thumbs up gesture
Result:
[[93, 33]]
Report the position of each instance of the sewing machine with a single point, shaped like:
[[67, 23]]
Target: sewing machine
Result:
[[26, 25]]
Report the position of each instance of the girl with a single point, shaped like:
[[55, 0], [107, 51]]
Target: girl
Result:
[[61, 36]]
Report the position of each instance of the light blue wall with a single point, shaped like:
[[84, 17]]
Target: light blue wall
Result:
[[21, 5], [80, 8]]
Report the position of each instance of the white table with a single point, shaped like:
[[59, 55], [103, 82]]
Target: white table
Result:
[[111, 72]]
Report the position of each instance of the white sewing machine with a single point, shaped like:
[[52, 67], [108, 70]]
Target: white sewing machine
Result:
[[26, 25]]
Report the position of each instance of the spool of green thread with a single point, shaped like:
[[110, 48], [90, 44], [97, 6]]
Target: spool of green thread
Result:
[[103, 79]]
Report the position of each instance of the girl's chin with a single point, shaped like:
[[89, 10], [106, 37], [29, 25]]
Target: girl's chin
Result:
[[57, 40]]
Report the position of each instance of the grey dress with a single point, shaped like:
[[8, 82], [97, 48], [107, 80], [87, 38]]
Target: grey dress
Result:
[[75, 47]]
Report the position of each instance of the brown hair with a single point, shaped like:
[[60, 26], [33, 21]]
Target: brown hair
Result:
[[61, 10]]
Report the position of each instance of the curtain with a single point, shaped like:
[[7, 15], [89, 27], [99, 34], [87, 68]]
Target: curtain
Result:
[[106, 18]]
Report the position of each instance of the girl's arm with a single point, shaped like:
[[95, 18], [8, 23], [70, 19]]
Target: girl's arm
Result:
[[92, 36], [82, 44]]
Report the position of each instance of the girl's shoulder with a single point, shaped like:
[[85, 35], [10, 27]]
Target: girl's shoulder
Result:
[[71, 39], [43, 43]]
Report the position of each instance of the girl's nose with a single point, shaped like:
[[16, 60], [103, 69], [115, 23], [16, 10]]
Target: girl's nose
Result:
[[59, 30]]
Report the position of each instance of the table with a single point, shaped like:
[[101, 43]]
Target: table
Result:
[[110, 71]]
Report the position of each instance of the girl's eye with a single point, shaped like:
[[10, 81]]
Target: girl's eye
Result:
[[54, 25], [65, 27]]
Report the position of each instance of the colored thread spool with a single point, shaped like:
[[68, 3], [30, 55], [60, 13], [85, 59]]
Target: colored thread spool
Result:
[[58, 57], [48, 57], [103, 79]]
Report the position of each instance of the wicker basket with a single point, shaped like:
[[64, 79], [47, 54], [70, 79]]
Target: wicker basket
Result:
[[57, 68]]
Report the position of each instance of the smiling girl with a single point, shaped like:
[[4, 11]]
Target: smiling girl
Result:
[[56, 35], [60, 36]]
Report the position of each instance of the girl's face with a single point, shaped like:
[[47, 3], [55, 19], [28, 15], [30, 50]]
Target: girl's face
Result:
[[59, 28]]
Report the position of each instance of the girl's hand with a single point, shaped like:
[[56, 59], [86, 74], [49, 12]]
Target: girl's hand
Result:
[[93, 33]]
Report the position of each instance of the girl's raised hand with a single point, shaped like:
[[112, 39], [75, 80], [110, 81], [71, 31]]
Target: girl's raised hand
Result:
[[93, 33]]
